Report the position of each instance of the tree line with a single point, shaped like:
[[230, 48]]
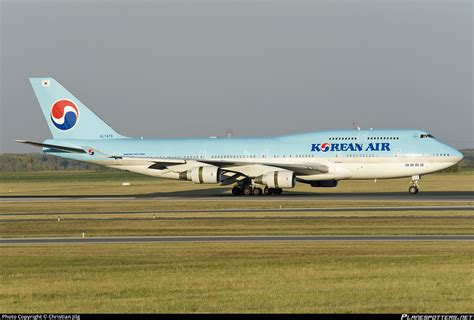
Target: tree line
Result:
[[42, 162]]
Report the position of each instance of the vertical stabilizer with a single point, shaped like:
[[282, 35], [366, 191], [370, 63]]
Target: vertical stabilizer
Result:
[[67, 116]]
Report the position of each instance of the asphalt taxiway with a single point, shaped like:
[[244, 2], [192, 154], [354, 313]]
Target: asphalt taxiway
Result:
[[219, 195], [96, 240], [250, 210]]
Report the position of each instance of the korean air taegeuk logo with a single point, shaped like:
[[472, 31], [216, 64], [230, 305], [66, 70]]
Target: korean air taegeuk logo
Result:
[[64, 114]]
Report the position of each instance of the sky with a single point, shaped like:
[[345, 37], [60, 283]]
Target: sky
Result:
[[259, 68]]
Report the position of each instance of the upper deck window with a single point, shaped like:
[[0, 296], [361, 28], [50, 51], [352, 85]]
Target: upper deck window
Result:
[[426, 135]]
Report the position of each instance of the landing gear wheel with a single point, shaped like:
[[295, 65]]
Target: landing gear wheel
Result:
[[266, 191], [247, 191], [257, 191], [236, 191], [271, 190], [413, 190], [414, 184], [278, 191]]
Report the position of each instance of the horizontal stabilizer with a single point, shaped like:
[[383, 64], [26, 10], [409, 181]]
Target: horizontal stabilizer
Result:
[[53, 146]]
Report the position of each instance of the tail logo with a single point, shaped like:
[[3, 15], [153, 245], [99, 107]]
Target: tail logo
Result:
[[64, 114]]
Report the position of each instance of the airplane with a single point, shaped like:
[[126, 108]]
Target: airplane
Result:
[[254, 166]]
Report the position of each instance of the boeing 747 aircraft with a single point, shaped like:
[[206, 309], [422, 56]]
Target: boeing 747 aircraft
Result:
[[255, 166]]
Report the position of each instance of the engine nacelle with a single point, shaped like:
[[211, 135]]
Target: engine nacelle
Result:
[[204, 174], [324, 183], [278, 179]]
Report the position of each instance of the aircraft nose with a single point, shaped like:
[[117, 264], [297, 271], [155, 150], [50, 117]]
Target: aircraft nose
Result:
[[457, 155]]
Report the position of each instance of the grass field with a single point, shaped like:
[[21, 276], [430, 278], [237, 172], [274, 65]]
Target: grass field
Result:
[[110, 183], [147, 215], [301, 226], [392, 277], [389, 277]]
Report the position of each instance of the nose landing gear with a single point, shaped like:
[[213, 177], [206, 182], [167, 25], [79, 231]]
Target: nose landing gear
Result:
[[413, 189], [414, 185]]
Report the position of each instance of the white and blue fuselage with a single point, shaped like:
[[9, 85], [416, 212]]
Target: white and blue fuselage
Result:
[[354, 154], [258, 165]]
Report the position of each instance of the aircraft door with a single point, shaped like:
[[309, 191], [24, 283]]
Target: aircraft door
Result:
[[362, 136]]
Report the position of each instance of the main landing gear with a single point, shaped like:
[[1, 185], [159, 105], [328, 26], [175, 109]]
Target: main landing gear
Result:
[[414, 185], [248, 190]]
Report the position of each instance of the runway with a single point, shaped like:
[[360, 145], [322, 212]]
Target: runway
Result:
[[218, 195], [292, 218], [276, 209], [98, 240]]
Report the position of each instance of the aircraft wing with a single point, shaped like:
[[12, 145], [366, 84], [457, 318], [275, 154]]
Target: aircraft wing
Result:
[[300, 168], [156, 163], [179, 165]]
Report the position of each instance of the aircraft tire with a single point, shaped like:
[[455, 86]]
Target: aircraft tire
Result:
[[236, 191], [413, 190], [247, 191]]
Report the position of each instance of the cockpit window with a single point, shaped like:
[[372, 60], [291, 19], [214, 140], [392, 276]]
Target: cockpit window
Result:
[[426, 135]]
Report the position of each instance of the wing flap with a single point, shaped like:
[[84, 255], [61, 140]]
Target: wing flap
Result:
[[300, 168]]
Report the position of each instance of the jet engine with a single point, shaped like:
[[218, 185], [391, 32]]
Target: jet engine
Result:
[[204, 174], [278, 179]]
